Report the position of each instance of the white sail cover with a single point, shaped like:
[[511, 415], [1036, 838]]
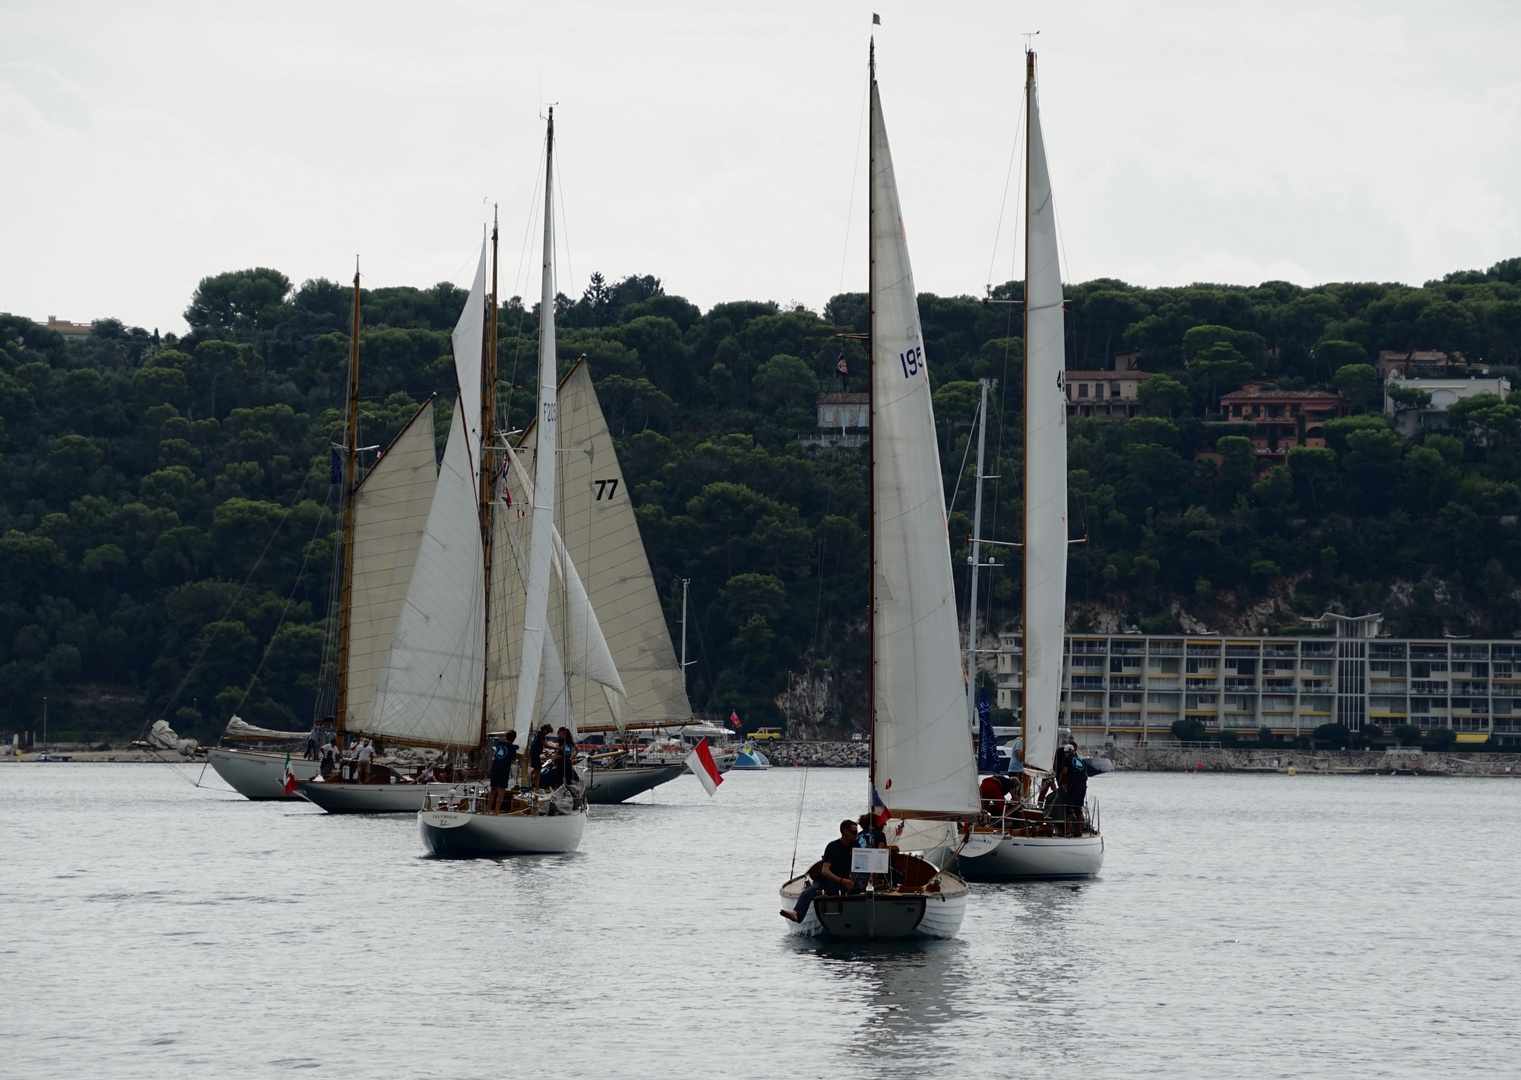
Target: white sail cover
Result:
[[468, 338], [922, 752], [390, 513], [596, 519], [1045, 550], [435, 675], [536, 605]]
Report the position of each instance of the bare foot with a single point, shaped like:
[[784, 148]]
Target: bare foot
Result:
[[789, 914]]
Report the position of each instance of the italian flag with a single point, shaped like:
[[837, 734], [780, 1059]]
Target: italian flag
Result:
[[290, 777], [700, 761]]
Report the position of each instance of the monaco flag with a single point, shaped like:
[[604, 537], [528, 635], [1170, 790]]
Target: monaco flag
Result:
[[734, 720], [700, 761], [290, 777]]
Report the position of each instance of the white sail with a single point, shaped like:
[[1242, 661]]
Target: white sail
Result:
[[536, 604], [468, 339], [596, 518], [923, 763], [390, 513], [1045, 525]]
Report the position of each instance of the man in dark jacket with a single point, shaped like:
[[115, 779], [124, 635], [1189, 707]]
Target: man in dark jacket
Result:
[[834, 872]]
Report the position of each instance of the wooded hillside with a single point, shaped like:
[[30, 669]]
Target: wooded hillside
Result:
[[166, 522]]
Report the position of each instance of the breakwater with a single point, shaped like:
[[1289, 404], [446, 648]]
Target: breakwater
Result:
[[816, 753], [1177, 759]]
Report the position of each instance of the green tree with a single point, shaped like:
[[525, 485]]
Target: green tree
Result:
[[1162, 395], [1359, 382]]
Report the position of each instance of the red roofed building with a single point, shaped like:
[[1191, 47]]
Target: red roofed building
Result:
[[1284, 419]]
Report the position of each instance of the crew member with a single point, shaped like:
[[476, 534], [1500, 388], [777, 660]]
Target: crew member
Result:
[[504, 752], [834, 872]]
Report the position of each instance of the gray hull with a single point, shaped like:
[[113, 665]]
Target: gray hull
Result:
[[256, 774], [619, 785]]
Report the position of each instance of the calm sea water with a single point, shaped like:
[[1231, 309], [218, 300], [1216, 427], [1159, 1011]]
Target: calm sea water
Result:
[[1244, 926]]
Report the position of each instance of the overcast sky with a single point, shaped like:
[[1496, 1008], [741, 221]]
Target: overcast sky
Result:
[[144, 145]]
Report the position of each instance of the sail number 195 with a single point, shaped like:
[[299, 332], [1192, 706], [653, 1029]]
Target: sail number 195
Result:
[[912, 361]]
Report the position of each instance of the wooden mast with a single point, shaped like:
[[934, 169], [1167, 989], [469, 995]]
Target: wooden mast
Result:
[[871, 423], [1024, 550], [350, 483], [488, 472]]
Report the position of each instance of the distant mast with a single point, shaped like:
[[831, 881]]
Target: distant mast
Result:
[[350, 482], [489, 469]]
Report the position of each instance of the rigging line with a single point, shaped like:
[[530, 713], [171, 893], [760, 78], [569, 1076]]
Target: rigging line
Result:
[[855, 171], [798, 831], [962, 472], [1002, 206], [565, 234], [284, 612], [519, 287], [231, 604]]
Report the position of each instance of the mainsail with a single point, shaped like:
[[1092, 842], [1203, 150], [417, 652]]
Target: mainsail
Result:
[[922, 769], [1045, 525], [390, 514], [432, 688]]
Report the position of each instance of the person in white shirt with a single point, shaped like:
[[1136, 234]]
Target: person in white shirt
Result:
[[363, 755]]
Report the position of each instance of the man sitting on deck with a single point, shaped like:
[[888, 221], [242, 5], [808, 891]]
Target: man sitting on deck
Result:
[[834, 872]]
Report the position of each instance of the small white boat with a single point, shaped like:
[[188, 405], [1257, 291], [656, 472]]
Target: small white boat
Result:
[[257, 774], [996, 855], [452, 823]]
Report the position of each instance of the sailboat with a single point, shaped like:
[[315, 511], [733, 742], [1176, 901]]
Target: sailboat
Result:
[[384, 514], [411, 625], [533, 821], [1017, 841], [595, 518], [923, 778]]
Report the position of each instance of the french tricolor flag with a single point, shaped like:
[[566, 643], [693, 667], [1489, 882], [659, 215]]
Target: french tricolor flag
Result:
[[701, 762]]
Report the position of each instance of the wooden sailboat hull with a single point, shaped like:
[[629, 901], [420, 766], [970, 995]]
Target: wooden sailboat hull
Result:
[[255, 774], [619, 785], [461, 833], [882, 916], [1031, 858]]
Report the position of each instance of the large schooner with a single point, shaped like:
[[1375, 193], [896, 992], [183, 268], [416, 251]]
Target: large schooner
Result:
[[923, 777], [1020, 839]]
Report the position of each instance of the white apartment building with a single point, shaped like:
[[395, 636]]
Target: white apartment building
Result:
[[1130, 688]]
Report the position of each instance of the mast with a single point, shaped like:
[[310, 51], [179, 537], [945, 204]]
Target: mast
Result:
[[350, 477], [686, 585], [871, 417], [1024, 551], [536, 609], [488, 470], [971, 624]]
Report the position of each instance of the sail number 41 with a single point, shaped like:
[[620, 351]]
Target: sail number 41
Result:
[[912, 361]]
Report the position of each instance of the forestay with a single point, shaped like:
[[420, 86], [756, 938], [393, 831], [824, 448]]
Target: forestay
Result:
[[1045, 550], [923, 762], [390, 513]]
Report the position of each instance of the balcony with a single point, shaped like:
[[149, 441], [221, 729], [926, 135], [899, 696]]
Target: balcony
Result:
[[1241, 684], [1427, 686], [1277, 684], [1087, 682], [1124, 682]]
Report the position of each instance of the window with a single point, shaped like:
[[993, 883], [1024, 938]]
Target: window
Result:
[[1114, 389], [828, 416], [1082, 389]]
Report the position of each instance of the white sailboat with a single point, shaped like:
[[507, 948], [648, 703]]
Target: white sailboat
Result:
[[601, 547], [534, 822], [1019, 842], [923, 775]]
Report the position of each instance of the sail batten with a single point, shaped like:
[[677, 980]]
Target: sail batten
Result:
[[922, 744], [1045, 511]]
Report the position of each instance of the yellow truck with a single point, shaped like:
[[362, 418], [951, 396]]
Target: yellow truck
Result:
[[767, 733]]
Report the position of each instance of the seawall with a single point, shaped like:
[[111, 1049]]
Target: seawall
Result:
[[1175, 759]]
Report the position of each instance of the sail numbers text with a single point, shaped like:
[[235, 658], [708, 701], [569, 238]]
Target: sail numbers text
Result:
[[608, 486], [912, 361], [549, 411]]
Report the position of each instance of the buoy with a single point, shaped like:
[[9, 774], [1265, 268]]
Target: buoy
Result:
[[1291, 770]]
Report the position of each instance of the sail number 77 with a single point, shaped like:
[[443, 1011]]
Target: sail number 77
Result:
[[609, 487], [912, 361]]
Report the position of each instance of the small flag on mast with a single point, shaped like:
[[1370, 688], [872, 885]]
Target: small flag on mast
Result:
[[701, 762], [876, 20], [734, 720]]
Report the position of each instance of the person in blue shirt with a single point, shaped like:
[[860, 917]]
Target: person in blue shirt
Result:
[[504, 752]]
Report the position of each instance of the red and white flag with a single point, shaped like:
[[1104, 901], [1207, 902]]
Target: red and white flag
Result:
[[734, 720], [290, 777], [701, 762]]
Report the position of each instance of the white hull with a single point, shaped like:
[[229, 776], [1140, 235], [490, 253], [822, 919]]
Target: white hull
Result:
[[347, 797], [618, 785], [255, 774], [881, 916], [456, 832], [1019, 858]]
